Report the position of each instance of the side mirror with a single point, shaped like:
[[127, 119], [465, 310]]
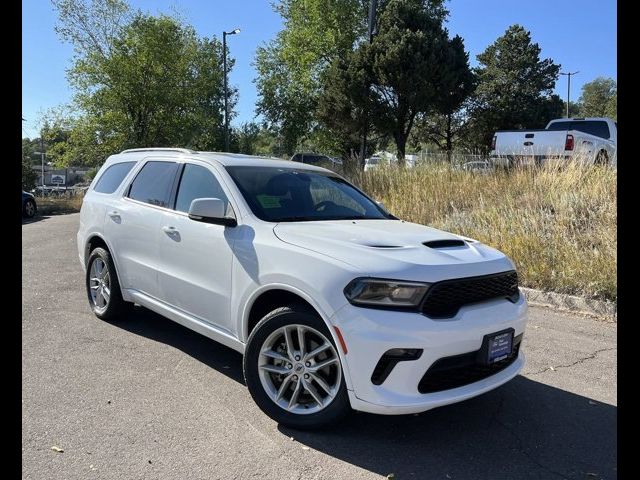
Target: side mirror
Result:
[[210, 210]]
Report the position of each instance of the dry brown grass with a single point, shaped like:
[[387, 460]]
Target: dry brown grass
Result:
[[557, 224], [59, 205]]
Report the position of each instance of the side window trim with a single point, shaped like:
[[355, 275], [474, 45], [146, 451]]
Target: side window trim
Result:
[[173, 196]]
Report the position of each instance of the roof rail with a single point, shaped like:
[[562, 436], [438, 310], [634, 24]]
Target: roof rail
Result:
[[158, 149]]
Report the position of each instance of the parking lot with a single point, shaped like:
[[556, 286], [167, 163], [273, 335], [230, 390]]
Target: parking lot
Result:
[[147, 398]]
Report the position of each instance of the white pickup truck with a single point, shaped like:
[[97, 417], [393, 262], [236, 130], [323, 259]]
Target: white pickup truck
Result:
[[590, 140]]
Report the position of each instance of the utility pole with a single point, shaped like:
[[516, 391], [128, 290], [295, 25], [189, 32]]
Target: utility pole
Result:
[[42, 158], [373, 5], [568, 74], [226, 93]]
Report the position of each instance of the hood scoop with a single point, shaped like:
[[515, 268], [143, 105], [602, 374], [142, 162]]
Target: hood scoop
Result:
[[447, 243]]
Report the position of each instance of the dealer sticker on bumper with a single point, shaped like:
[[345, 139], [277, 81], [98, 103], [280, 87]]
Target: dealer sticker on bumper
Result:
[[500, 346]]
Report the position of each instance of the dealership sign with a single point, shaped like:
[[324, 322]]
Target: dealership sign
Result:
[[58, 179]]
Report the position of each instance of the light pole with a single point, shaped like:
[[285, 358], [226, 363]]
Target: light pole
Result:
[[568, 74], [226, 94], [371, 31]]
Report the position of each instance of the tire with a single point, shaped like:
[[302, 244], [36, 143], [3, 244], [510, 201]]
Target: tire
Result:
[[264, 386], [29, 208], [110, 306], [602, 158]]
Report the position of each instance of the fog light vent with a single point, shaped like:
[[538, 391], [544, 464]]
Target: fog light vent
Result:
[[390, 359]]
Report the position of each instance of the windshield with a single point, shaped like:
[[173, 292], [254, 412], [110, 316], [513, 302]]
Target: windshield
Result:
[[373, 160], [297, 195]]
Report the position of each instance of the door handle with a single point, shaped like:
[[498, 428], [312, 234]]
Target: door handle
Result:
[[115, 216]]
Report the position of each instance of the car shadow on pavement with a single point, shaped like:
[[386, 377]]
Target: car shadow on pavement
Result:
[[149, 324], [524, 429]]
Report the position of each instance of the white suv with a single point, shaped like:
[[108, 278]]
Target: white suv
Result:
[[334, 302]]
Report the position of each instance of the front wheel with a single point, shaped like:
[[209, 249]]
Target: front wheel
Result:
[[293, 371]]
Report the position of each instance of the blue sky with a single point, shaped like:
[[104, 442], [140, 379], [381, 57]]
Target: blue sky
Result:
[[578, 34]]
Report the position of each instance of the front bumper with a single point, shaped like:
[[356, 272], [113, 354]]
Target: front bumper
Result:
[[369, 333]]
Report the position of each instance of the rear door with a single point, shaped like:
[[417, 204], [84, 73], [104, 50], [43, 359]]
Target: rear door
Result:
[[196, 257], [133, 224]]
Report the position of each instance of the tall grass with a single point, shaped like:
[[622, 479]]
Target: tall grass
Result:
[[558, 224]]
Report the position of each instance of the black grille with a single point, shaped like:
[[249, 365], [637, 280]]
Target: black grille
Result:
[[445, 298], [460, 370]]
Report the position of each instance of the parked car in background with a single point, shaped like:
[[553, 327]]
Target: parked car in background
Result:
[[334, 302], [372, 162], [590, 140], [318, 160], [29, 205]]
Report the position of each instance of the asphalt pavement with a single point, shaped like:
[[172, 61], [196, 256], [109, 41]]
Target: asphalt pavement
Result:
[[148, 398]]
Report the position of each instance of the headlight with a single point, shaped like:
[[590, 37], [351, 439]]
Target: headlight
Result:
[[385, 293]]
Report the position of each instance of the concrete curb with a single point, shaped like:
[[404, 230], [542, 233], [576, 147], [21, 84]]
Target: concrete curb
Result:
[[605, 310]]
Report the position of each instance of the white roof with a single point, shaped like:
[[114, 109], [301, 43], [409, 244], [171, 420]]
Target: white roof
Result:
[[223, 158]]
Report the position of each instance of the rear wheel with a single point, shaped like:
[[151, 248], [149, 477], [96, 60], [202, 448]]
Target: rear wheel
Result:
[[293, 371], [103, 287], [602, 158]]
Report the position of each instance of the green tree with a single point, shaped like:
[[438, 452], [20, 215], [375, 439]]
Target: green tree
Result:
[[448, 120], [343, 101], [599, 98], [139, 81], [574, 108], [247, 135], [290, 67], [29, 176], [400, 62], [515, 87]]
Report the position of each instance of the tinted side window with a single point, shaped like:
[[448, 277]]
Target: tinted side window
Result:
[[112, 177], [153, 183], [197, 182], [592, 127], [597, 128]]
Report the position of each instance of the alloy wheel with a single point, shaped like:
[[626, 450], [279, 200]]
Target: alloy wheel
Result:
[[100, 284], [299, 369]]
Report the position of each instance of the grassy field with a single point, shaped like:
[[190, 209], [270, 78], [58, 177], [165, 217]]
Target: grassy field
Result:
[[557, 225]]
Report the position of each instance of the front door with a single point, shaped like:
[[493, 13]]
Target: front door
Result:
[[195, 257]]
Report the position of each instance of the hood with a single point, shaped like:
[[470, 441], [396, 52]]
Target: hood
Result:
[[395, 249]]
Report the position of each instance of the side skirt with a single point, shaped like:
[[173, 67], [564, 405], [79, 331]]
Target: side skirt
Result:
[[185, 319]]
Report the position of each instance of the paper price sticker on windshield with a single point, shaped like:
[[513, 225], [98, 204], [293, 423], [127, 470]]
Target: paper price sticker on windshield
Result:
[[269, 201]]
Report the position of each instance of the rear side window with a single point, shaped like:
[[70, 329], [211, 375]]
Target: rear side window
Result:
[[112, 177], [197, 182], [153, 183], [592, 127]]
